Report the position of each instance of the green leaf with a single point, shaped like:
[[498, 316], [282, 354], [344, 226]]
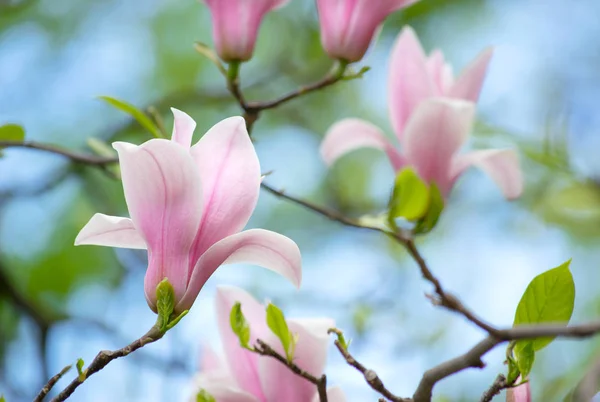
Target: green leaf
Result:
[[2, 398], [513, 371], [12, 132], [436, 206], [340, 337], [134, 112], [204, 396], [207, 52], [525, 358], [410, 197], [549, 298], [278, 325], [165, 303], [176, 320], [80, 372], [239, 325]]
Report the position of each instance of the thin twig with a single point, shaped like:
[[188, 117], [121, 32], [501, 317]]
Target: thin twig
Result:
[[498, 385], [472, 358], [74, 156], [103, 358], [51, 382], [371, 376], [320, 382]]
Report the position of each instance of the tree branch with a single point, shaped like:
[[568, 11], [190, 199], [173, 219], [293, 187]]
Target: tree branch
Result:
[[51, 382], [498, 385], [320, 382], [371, 376], [73, 156], [104, 357]]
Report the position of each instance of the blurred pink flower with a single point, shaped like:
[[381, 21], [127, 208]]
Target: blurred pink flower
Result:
[[522, 393], [248, 377], [432, 116], [236, 24], [188, 205], [348, 26]]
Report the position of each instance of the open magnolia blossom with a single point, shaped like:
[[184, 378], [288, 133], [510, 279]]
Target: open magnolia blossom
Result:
[[236, 24], [188, 205], [432, 116], [348, 26], [521, 393], [249, 377]]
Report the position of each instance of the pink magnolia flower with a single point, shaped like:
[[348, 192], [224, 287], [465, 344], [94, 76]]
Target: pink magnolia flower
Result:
[[431, 122], [188, 205], [522, 393], [236, 24], [348, 26], [248, 377]]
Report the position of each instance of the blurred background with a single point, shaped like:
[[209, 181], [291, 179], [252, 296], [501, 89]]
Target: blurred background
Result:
[[59, 302]]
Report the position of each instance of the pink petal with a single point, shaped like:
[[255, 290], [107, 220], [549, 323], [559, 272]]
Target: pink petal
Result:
[[522, 393], [439, 71], [502, 165], [210, 361], [469, 83], [236, 24], [222, 388], [350, 134], [164, 198], [111, 231], [243, 363], [230, 174], [410, 82], [279, 383], [183, 128], [334, 394], [256, 246], [434, 133]]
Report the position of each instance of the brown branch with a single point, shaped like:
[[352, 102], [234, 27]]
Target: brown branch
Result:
[[371, 376], [320, 382], [73, 156], [472, 358], [51, 382], [498, 385], [103, 358]]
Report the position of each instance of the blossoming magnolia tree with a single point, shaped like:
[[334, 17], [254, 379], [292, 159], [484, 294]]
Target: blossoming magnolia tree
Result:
[[188, 205]]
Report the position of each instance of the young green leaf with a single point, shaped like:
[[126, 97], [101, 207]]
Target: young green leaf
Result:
[[549, 298], [2, 398], [12, 132], [165, 303], [513, 371], [436, 206], [204, 396], [239, 325], [134, 112], [80, 372], [525, 357], [410, 197], [278, 325]]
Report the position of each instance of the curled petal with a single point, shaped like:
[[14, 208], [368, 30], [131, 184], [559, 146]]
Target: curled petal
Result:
[[243, 363], [334, 394], [469, 83], [163, 194], [350, 134], [111, 231], [502, 165], [230, 175], [434, 133], [183, 128], [410, 82], [522, 393], [256, 246], [278, 382]]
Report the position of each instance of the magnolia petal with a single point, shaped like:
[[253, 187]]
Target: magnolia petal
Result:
[[522, 393], [350, 134], [230, 174], [256, 246], [278, 382], [183, 128], [110, 231], [243, 363], [434, 133], [164, 198], [469, 83], [410, 82], [222, 388], [210, 360], [334, 394], [439, 71], [502, 165]]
